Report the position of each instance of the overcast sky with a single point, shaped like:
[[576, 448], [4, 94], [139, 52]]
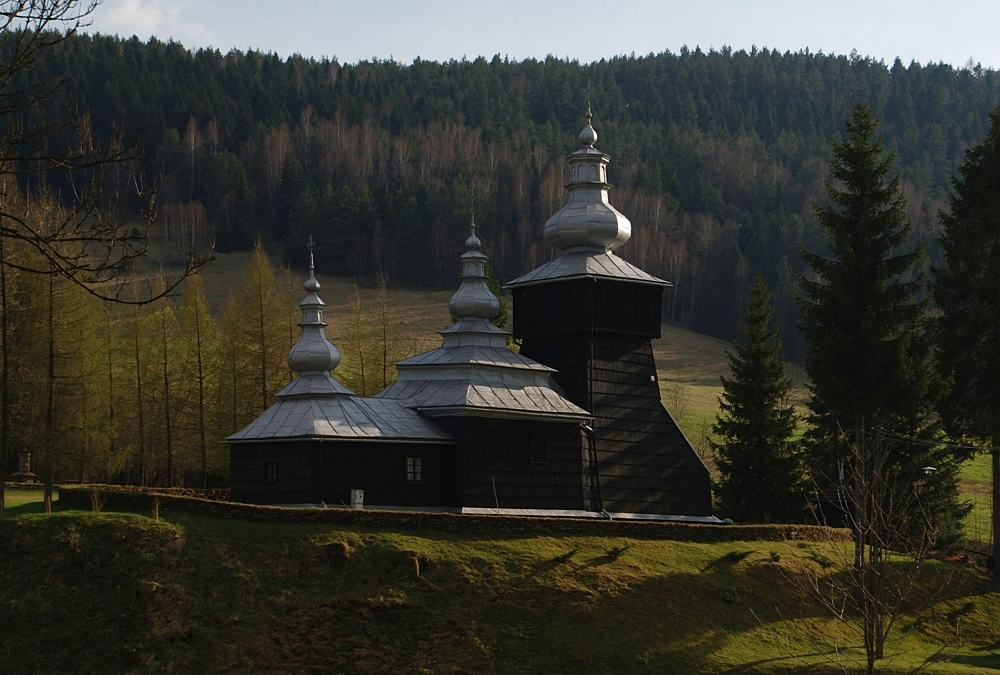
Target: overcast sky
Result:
[[921, 30]]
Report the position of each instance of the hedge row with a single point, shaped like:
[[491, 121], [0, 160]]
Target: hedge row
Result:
[[142, 501]]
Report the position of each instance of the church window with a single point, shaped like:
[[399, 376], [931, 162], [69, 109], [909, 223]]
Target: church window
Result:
[[414, 470], [271, 472]]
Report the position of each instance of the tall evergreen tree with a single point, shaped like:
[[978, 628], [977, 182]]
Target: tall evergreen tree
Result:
[[861, 309], [862, 317], [967, 290], [756, 459]]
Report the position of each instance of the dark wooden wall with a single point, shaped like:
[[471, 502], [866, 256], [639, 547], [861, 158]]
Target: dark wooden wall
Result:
[[498, 450], [295, 473], [577, 305], [644, 462], [310, 472]]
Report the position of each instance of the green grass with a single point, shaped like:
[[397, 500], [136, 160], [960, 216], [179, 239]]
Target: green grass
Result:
[[103, 592], [975, 482], [20, 499]]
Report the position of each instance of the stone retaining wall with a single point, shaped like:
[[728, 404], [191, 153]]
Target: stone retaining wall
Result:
[[142, 501]]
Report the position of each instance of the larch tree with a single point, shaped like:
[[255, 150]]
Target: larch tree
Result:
[[165, 388], [388, 344], [759, 472], [263, 327], [359, 350], [967, 290], [291, 289], [114, 350], [87, 242], [236, 388], [138, 388], [200, 370], [61, 374]]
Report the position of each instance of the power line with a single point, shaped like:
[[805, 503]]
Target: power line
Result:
[[884, 433]]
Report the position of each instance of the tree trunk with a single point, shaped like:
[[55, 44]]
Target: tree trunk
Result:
[[4, 379], [166, 398], [383, 293], [862, 529], [111, 386], [995, 457], [50, 398], [262, 333], [201, 400], [138, 396], [876, 552]]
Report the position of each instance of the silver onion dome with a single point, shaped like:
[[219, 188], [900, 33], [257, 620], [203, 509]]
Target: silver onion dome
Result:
[[313, 352], [588, 221], [473, 299]]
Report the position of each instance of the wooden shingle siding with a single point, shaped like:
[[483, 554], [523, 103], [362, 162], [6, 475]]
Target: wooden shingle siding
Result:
[[497, 451], [380, 470], [645, 464], [310, 472], [295, 473], [576, 305]]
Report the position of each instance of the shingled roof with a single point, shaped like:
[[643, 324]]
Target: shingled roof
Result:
[[316, 406], [474, 372]]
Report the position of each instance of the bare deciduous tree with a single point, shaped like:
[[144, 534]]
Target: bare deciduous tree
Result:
[[893, 536], [87, 242]]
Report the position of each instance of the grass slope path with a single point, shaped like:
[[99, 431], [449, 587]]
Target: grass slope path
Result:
[[90, 592]]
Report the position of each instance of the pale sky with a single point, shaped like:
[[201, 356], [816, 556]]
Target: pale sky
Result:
[[586, 30]]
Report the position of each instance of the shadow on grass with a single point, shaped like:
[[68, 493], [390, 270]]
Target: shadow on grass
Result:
[[727, 561], [610, 556], [798, 663], [22, 500], [548, 565], [983, 662], [223, 588]]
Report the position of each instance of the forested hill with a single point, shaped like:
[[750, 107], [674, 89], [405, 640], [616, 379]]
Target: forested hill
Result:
[[716, 156]]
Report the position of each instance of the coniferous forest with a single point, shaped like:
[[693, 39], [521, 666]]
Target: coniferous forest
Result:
[[716, 156], [718, 159]]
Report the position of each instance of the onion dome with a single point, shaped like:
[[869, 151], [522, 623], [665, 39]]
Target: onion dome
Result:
[[473, 299], [474, 372], [317, 407], [588, 222], [313, 356]]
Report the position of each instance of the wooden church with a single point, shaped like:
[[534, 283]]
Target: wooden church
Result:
[[570, 425]]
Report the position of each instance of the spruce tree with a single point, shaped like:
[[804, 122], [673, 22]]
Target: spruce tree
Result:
[[874, 392], [967, 291], [871, 391], [756, 458], [861, 307]]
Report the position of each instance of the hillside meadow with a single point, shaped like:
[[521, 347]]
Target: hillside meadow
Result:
[[113, 592]]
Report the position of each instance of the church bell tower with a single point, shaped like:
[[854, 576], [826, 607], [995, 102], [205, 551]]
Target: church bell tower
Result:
[[592, 316]]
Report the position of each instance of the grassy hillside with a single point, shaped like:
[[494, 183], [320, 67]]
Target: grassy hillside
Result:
[[104, 592]]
